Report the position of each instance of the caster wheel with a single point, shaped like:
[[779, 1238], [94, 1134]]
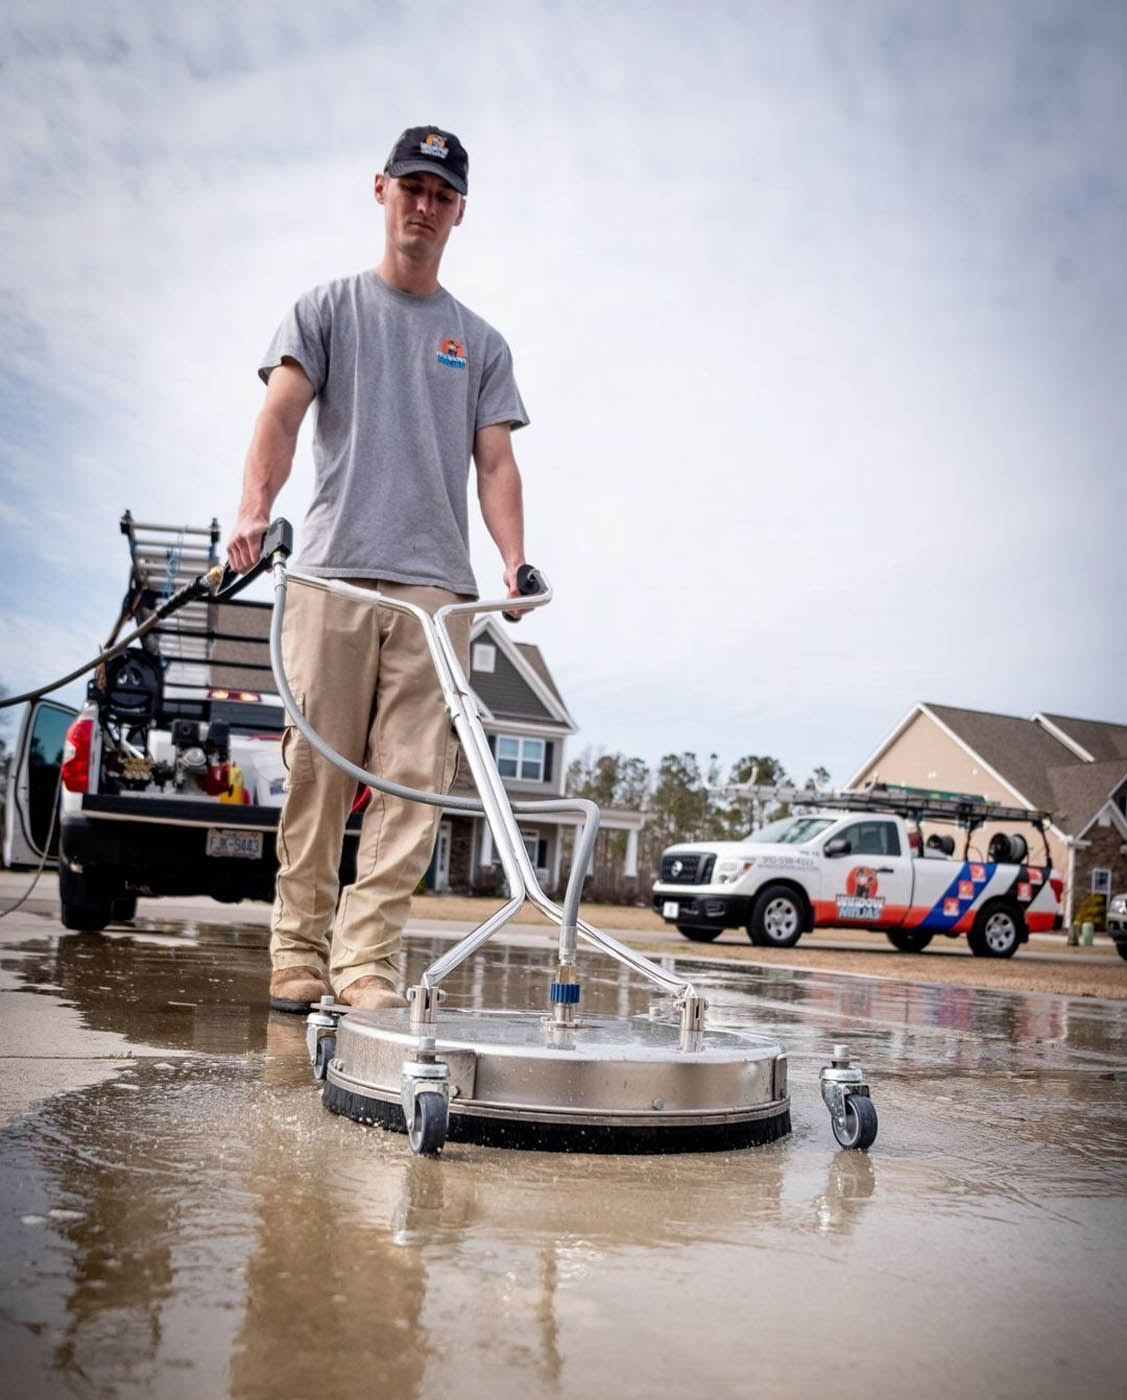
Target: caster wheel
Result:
[[326, 1049], [427, 1131], [860, 1127]]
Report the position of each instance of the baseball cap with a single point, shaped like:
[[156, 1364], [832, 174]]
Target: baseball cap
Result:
[[427, 148]]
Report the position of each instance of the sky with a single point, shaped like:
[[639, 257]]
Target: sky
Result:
[[819, 309]]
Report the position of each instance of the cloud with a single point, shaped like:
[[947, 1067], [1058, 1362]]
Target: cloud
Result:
[[818, 311]]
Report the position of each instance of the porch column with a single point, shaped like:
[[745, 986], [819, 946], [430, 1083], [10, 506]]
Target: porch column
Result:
[[630, 865]]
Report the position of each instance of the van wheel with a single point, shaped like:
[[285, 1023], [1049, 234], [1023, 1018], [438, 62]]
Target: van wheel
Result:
[[778, 918], [909, 940], [86, 907], [997, 931]]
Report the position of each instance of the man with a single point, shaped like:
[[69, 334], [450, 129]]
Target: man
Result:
[[409, 385]]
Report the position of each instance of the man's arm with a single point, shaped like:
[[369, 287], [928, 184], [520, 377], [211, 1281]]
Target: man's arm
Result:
[[499, 495], [288, 395]]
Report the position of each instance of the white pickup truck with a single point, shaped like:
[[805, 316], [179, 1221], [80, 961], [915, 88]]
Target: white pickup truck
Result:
[[860, 860], [171, 773]]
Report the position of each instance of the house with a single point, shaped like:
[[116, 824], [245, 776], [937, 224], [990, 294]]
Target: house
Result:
[[1075, 769], [527, 725]]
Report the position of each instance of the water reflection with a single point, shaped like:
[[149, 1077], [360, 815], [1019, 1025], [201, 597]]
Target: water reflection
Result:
[[222, 1234]]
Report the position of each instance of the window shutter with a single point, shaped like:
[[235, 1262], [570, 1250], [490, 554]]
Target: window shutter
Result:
[[549, 758], [491, 740]]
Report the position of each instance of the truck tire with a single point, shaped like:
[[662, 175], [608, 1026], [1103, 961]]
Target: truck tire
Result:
[[124, 907], [998, 931], [86, 906], [778, 918], [1121, 948], [909, 940], [699, 935]]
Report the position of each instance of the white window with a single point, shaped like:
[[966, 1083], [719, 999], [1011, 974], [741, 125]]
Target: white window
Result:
[[484, 657], [520, 758], [531, 841]]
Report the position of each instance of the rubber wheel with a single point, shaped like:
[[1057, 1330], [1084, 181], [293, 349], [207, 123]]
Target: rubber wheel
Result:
[[997, 931], [860, 1128], [326, 1050], [427, 1134], [1121, 948], [909, 940], [123, 908], [699, 935], [85, 905], [778, 918]]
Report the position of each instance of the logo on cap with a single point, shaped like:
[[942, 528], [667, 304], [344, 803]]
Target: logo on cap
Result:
[[452, 352], [434, 145]]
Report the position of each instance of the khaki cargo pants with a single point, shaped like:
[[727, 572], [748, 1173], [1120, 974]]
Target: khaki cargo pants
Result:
[[364, 679]]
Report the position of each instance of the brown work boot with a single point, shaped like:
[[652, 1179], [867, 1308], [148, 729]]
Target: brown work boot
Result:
[[297, 988], [371, 994]]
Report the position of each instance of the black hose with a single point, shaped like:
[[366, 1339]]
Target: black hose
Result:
[[189, 593]]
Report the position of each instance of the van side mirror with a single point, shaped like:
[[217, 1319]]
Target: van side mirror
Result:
[[837, 846]]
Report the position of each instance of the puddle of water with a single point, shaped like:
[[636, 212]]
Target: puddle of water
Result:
[[209, 1229]]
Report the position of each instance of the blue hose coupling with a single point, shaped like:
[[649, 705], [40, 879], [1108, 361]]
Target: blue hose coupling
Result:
[[564, 994]]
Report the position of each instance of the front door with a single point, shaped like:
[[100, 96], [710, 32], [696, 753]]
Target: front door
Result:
[[872, 884], [33, 785], [442, 858]]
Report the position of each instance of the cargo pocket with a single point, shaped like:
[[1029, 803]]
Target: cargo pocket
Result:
[[297, 753]]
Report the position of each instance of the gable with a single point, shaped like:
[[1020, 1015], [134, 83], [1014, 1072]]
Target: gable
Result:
[[923, 753], [505, 692]]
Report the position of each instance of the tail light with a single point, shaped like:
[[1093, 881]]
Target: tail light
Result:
[[222, 693], [1058, 887], [76, 755]]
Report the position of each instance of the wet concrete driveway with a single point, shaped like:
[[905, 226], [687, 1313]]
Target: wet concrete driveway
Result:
[[195, 1224]]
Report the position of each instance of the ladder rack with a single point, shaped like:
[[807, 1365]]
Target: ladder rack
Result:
[[915, 804]]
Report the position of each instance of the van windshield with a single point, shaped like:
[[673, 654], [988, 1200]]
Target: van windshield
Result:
[[790, 831]]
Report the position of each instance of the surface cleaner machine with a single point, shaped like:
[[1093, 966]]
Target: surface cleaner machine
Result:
[[553, 1078]]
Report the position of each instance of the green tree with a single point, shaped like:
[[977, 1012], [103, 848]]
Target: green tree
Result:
[[610, 779], [737, 814]]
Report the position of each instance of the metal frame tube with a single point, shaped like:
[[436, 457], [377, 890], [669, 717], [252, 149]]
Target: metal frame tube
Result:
[[495, 804]]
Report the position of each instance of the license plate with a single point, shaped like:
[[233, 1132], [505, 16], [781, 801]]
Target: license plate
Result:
[[669, 909], [223, 841]]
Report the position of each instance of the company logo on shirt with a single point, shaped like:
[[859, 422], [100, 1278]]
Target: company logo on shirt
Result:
[[434, 145], [452, 352]]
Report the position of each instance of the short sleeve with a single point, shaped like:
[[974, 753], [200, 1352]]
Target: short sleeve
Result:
[[301, 337], [499, 399]]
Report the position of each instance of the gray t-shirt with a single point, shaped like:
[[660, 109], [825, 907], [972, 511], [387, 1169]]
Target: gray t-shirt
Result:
[[403, 383]]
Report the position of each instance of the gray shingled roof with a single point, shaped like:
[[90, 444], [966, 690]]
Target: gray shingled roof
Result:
[[1080, 789], [1103, 740], [1019, 750]]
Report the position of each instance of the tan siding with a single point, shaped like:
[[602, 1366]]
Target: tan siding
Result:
[[926, 756]]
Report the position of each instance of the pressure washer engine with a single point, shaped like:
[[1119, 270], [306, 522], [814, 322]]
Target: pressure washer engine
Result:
[[554, 1078]]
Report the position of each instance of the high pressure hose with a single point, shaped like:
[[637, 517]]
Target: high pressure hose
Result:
[[198, 588], [219, 583]]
